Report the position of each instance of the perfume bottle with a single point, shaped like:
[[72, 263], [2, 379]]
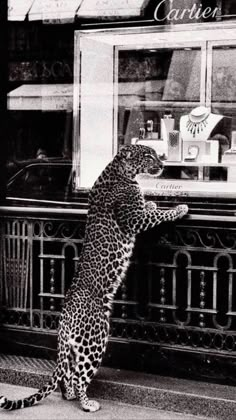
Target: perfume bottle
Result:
[[149, 129], [142, 133], [167, 126], [174, 146]]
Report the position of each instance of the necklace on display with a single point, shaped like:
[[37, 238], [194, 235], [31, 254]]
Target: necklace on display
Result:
[[197, 120]]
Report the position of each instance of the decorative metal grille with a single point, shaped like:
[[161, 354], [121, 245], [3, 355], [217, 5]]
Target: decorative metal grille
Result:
[[180, 291], [16, 264], [190, 290], [53, 248]]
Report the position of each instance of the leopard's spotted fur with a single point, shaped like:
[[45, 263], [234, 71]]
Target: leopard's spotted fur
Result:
[[117, 213]]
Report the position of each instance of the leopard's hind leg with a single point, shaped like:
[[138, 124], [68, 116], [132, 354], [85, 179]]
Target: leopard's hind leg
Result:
[[67, 389], [81, 385], [66, 384], [87, 364]]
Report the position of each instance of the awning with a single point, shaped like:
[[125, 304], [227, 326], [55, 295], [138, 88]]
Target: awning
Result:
[[17, 10], [65, 11], [111, 8], [54, 10], [56, 97], [60, 11]]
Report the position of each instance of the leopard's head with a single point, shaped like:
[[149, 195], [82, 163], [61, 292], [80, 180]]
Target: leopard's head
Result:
[[139, 159]]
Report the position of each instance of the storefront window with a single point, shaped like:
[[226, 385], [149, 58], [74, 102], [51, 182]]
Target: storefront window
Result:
[[151, 84], [165, 91], [223, 74], [158, 86], [40, 111]]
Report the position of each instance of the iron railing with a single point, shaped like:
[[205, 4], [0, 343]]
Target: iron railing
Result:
[[180, 291]]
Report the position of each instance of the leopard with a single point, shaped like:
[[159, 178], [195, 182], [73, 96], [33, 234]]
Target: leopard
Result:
[[117, 213]]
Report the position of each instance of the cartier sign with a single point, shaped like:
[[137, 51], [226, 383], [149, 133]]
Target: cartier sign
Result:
[[175, 14]]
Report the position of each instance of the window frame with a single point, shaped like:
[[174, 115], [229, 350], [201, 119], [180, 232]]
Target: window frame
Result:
[[204, 36], [210, 46]]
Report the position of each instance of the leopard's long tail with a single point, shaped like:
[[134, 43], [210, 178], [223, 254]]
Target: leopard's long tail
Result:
[[34, 398]]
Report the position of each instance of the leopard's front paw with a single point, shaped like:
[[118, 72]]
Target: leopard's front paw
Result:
[[182, 209], [150, 205]]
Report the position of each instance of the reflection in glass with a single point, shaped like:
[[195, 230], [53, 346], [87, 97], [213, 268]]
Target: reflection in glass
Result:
[[159, 75], [223, 74], [151, 83]]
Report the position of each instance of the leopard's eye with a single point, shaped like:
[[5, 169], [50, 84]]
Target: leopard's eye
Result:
[[149, 157]]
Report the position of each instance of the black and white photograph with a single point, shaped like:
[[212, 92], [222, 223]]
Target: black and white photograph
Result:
[[118, 209]]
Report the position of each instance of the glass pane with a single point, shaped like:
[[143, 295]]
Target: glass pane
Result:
[[228, 9], [223, 74], [47, 181], [224, 104], [97, 109], [40, 108], [36, 135], [160, 74], [152, 83], [160, 106]]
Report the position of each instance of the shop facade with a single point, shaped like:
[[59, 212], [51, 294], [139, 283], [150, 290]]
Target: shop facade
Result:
[[162, 76]]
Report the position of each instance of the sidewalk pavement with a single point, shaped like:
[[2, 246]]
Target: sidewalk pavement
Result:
[[55, 408]]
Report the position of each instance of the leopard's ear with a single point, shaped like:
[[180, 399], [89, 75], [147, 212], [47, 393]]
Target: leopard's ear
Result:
[[125, 152], [128, 155]]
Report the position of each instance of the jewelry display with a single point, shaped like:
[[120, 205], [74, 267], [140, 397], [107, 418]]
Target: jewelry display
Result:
[[196, 128], [194, 141], [193, 152], [198, 124], [197, 120]]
